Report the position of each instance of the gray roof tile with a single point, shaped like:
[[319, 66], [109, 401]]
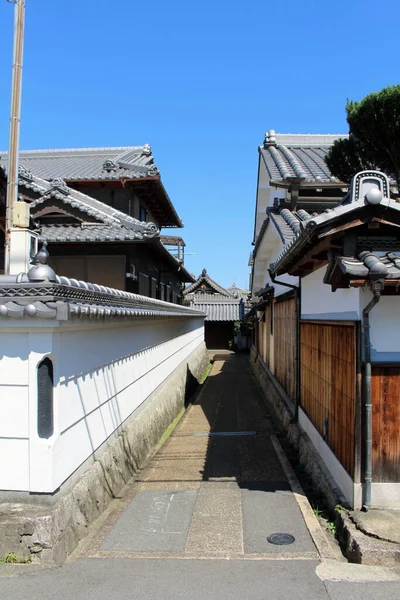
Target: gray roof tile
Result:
[[299, 156], [114, 224], [369, 265], [79, 164], [69, 233], [222, 309]]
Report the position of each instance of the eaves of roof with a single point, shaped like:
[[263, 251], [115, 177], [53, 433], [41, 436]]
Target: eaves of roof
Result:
[[176, 265], [90, 206], [228, 310], [311, 227]]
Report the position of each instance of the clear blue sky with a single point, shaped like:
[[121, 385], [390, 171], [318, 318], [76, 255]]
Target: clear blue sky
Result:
[[201, 82]]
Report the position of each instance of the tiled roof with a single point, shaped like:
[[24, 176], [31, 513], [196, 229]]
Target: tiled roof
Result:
[[204, 278], [286, 223], [82, 164], [297, 156], [69, 298], [71, 233], [369, 265], [114, 224], [222, 309], [238, 292], [360, 196]]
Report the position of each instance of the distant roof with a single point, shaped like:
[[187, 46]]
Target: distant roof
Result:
[[219, 309], [300, 157], [204, 278], [237, 291], [82, 164]]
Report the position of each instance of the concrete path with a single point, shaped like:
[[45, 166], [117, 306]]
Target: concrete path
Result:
[[196, 522]]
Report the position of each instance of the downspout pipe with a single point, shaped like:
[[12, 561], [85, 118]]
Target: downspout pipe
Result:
[[297, 350], [377, 288]]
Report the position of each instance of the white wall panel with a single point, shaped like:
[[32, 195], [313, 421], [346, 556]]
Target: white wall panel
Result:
[[14, 411], [102, 374]]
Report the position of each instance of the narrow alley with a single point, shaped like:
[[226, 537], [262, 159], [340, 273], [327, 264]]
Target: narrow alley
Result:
[[196, 522]]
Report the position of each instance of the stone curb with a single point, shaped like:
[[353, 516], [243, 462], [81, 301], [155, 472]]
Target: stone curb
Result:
[[365, 549]]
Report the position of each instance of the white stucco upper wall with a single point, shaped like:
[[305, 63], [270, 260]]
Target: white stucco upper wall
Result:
[[102, 373], [385, 327], [270, 247], [265, 195], [319, 302]]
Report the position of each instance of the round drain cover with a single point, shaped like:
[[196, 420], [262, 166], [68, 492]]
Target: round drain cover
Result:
[[281, 539]]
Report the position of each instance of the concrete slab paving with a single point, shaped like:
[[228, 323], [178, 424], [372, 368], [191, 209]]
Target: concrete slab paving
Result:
[[273, 510], [154, 521]]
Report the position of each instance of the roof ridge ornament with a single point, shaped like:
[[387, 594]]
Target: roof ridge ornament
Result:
[[110, 165], [150, 230], [370, 186], [59, 185], [153, 170], [270, 138], [25, 173], [204, 273], [146, 150]]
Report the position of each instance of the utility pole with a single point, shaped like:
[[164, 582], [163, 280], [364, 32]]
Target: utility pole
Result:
[[13, 150]]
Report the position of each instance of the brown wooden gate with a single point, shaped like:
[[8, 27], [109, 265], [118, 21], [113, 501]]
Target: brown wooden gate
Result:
[[285, 332], [386, 424], [328, 384]]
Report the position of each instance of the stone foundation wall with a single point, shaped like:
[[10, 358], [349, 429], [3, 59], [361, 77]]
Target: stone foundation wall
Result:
[[48, 534]]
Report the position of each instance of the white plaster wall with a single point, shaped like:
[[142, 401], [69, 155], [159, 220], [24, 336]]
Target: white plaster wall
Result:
[[385, 327], [265, 196], [270, 248], [319, 302], [102, 374], [14, 410]]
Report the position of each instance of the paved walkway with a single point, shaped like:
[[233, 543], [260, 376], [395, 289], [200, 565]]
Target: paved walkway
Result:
[[195, 524], [217, 487]]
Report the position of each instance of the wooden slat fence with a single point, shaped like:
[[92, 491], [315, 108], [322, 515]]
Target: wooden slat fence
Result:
[[385, 424], [328, 384], [285, 332]]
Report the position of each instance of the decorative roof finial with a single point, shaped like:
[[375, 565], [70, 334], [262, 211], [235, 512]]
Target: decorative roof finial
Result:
[[204, 273], [270, 138], [146, 150], [41, 271], [59, 185], [110, 165]]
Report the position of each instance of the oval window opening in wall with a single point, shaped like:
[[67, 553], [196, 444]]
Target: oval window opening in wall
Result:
[[45, 423]]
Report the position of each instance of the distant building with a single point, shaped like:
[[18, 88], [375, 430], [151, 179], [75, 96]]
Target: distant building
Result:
[[223, 309]]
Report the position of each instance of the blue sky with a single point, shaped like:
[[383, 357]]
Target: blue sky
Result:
[[201, 82]]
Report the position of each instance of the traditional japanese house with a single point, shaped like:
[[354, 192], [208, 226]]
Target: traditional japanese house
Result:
[[100, 211], [327, 328], [223, 310]]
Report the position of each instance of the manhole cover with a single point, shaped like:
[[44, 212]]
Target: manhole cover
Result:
[[281, 539]]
